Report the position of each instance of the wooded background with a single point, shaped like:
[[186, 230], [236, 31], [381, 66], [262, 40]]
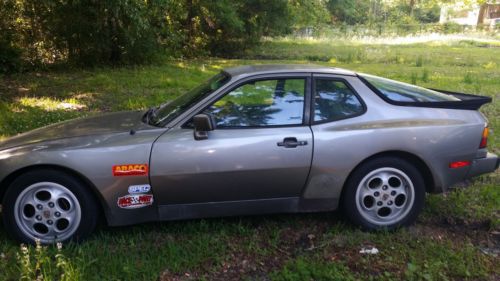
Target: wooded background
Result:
[[37, 33]]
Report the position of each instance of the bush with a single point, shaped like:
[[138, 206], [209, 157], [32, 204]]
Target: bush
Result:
[[10, 58], [451, 27]]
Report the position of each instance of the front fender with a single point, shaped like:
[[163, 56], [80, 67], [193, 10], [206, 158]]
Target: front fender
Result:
[[93, 158]]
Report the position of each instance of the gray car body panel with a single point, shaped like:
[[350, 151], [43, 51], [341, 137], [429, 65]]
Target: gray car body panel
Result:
[[243, 171], [91, 156]]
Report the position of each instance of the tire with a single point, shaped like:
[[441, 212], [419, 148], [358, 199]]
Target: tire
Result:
[[384, 193], [49, 206]]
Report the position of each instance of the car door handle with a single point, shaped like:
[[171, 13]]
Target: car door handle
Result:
[[291, 143]]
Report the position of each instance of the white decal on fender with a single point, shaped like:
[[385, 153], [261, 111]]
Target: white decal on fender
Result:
[[135, 201], [142, 188]]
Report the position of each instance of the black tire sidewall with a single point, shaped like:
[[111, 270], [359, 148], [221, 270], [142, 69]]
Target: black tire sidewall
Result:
[[89, 210], [349, 196]]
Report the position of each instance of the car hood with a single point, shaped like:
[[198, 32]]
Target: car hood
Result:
[[95, 125]]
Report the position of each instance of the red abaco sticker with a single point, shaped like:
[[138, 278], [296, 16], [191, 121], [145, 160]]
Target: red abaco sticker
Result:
[[130, 170], [135, 201]]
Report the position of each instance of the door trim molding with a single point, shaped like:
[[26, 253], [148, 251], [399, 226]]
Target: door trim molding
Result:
[[245, 207]]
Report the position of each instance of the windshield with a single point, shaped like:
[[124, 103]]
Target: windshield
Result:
[[402, 92], [168, 111]]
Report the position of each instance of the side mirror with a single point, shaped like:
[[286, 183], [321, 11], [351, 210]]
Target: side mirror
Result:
[[203, 123]]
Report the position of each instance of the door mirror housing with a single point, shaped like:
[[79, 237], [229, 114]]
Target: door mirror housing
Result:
[[203, 123]]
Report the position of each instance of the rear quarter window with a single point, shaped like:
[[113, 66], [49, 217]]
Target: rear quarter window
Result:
[[402, 92], [335, 100]]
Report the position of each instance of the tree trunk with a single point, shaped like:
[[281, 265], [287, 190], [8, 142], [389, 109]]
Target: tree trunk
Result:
[[412, 6], [482, 13], [189, 23]]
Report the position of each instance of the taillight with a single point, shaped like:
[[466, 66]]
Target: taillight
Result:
[[484, 138], [459, 164]]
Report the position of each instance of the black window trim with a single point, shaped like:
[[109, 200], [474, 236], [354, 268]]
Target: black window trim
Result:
[[307, 77], [313, 99]]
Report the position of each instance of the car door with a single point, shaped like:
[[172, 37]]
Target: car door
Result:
[[335, 122], [261, 147]]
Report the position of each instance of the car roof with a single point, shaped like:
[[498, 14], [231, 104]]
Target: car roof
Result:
[[249, 70]]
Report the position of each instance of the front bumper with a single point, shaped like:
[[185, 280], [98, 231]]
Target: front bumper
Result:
[[484, 165]]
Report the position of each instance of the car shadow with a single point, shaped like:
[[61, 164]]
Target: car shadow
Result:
[[301, 222]]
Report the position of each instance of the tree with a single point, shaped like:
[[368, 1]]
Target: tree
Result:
[[349, 11], [305, 13], [10, 52]]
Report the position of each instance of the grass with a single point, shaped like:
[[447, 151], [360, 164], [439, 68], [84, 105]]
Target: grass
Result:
[[453, 240]]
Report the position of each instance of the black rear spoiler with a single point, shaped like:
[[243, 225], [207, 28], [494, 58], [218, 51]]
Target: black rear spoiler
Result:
[[466, 101]]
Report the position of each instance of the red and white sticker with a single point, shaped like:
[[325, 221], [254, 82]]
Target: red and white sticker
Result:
[[135, 201], [130, 170]]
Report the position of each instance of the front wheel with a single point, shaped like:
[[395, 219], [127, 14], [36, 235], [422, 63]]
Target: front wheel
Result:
[[384, 193], [48, 206]]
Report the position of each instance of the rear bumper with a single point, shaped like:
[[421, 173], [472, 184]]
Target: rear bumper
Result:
[[484, 165]]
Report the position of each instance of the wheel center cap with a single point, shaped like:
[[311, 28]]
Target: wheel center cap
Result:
[[385, 196], [46, 214]]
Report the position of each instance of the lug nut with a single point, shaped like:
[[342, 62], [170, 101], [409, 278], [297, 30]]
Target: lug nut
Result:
[[50, 222], [39, 217], [389, 203], [51, 205], [39, 206], [376, 193], [57, 214], [379, 203], [384, 187], [393, 193]]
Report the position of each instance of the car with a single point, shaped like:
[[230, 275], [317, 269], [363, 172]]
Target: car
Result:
[[251, 140]]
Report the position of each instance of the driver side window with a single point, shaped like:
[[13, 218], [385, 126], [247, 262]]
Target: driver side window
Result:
[[261, 103]]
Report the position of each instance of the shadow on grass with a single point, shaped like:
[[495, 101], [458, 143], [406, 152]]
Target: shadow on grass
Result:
[[112, 89]]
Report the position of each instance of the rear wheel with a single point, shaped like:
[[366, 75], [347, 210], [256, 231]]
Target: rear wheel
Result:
[[383, 193], [49, 206]]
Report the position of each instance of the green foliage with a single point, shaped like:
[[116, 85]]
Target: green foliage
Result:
[[110, 31], [451, 27], [445, 244], [306, 269], [420, 61], [443, 262], [427, 14], [414, 78], [466, 205], [388, 12], [37, 33], [130, 32], [349, 11], [10, 57], [10, 54], [307, 13], [425, 76], [468, 77], [42, 263]]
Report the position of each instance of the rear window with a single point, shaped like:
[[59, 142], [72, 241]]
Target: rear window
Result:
[[402, 92]]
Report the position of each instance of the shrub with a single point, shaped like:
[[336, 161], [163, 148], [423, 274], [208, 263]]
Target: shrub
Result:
[[10, 58]]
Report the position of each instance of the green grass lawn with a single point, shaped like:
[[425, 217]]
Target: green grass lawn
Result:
[[450, 241]]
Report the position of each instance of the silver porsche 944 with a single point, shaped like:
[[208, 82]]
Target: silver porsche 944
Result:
[[250, 140]]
